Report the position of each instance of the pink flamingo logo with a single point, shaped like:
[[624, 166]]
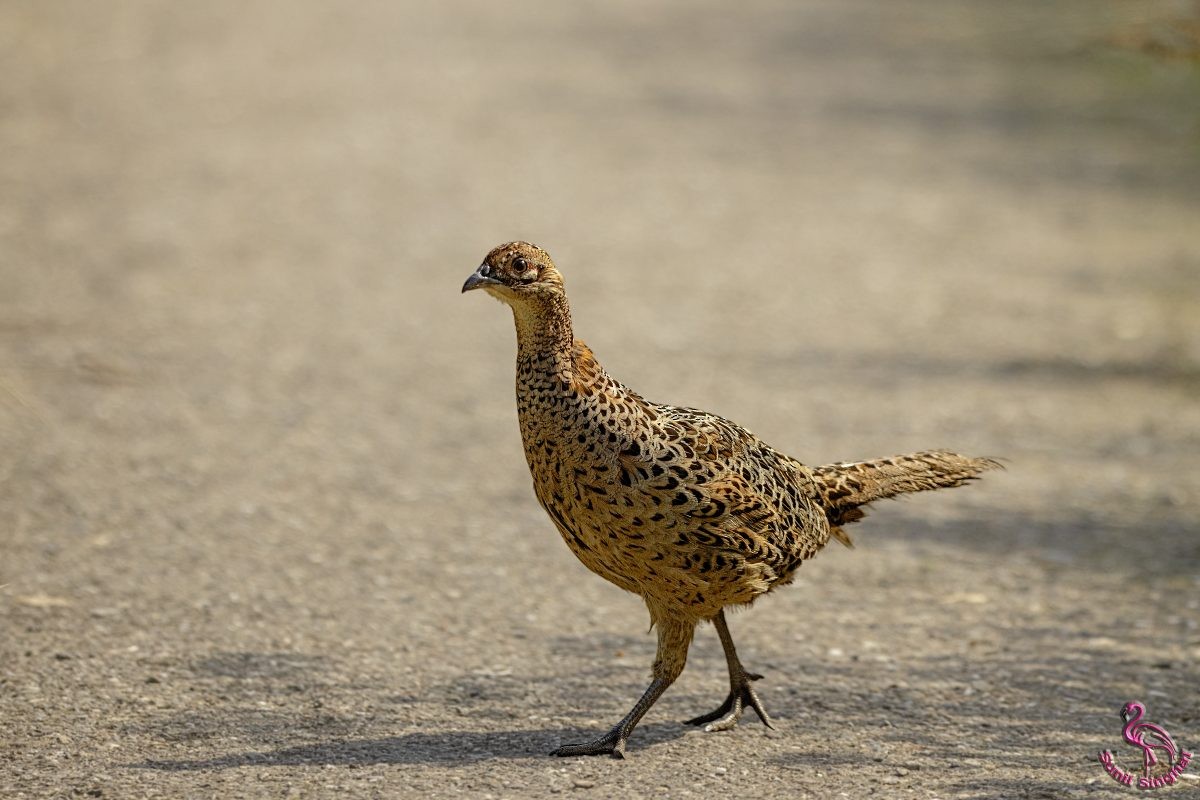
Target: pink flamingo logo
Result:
[[1146, 735], [1149, 738]]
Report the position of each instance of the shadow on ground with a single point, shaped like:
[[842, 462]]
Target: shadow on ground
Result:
[[461, 748]]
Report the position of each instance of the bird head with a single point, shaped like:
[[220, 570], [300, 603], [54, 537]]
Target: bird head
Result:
[[516, 272]]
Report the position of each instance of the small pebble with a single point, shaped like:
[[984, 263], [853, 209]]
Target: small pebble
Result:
[[581, 783]]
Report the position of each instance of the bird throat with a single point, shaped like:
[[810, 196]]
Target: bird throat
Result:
[[544, 336]]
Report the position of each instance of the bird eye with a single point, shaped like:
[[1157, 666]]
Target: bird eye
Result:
[[520, 264]]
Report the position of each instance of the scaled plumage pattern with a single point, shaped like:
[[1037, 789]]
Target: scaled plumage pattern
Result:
[[686, 509]]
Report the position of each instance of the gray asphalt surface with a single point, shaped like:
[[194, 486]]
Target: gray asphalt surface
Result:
[[265, 525]]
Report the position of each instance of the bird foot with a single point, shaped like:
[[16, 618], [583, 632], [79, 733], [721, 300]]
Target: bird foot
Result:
[[741, 694], [611, 743]]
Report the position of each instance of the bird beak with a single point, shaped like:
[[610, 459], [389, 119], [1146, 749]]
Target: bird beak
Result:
[[480, 277]]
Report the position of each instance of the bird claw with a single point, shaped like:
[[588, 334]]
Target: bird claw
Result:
[[611, 743], [726, 716]]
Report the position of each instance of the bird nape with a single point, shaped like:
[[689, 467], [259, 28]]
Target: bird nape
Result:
[[688, 510]]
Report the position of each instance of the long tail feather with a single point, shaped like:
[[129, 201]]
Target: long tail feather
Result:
[[846, 487]]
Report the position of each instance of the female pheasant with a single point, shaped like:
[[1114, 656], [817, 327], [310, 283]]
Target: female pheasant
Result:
[[684, 508]]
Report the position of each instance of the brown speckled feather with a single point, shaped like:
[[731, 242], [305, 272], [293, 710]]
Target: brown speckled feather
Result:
[[846, 487], [685, 508]]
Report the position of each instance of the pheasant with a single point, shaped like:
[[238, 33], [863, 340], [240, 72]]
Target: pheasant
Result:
[[686, 509]]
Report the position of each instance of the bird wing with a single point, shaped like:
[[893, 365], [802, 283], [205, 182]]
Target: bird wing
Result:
[[729, 510]]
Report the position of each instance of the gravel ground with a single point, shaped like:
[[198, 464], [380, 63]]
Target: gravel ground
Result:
[[265, 525]]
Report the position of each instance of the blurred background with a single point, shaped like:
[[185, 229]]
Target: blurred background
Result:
[[265, 522]]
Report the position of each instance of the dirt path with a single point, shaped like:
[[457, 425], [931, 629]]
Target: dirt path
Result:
[[265, 525]]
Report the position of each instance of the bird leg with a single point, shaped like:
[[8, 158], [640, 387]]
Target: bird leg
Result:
[[614, 741], [741, 692], [673, 640]]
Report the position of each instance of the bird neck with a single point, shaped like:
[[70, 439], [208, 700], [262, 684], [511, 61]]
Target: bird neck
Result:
[[1136, 712], [544, 332]]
